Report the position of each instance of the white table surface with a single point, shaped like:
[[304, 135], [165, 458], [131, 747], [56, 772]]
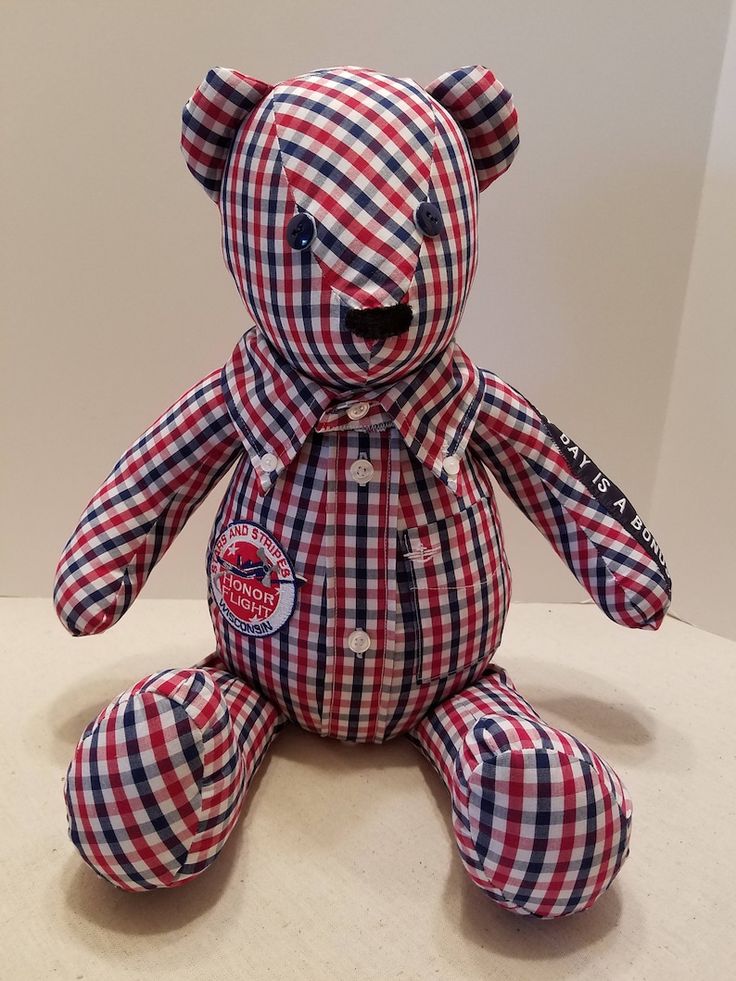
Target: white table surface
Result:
[[343, 864]]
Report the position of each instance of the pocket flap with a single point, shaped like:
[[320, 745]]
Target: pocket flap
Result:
[[458, 552]]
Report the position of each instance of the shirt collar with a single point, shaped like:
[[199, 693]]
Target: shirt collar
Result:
[[275, 408]]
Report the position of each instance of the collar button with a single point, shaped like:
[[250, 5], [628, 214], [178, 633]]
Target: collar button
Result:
[[451, 465], [358, 410]]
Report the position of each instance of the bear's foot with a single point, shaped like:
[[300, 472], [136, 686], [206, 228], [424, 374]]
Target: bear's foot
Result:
[[541, 821], [158, 779]]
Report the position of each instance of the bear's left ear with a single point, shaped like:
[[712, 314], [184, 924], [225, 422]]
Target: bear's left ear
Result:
[[210, 120], [483, 107]]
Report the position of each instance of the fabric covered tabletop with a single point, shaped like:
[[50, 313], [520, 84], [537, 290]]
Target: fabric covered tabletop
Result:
[[343, 864]]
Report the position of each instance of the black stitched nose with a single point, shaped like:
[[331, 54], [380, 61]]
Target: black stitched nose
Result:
[[379, 322]]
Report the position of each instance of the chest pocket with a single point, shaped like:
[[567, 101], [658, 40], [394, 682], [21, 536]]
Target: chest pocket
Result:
[[459, 582]]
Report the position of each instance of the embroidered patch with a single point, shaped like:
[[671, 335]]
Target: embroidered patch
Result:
[[253, 581]]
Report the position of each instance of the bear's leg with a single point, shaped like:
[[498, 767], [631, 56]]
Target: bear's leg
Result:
[[157, 780], [541, 821]]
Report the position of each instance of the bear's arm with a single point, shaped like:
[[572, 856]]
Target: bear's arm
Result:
[[589, 522], [142, 506]]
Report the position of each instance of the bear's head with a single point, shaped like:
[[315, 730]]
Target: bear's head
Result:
[[348, 201]]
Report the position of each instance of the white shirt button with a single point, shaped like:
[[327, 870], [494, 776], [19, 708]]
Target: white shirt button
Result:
[[451, 465], [362, 471], [269, 462], [359, 642], [358, 410]]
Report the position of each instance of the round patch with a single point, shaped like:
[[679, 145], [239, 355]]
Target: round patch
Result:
[[252, 579]]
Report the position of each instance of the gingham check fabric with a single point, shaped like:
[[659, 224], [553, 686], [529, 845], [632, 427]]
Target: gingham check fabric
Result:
[[479, 101], [542, 823], [142, 506], [210, 120], [414, 558], [358, 151], [357, 578], [158, 779]]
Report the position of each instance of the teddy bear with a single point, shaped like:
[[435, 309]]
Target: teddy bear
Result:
[[357, 578]]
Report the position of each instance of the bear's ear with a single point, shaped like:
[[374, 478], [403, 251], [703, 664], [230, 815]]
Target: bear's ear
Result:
[[483, 108], [210, 120]]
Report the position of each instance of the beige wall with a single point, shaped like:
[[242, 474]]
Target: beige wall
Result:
[[696, 478], [116, 297]]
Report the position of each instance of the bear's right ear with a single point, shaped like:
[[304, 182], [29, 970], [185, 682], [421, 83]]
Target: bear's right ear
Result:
[[210, 120]]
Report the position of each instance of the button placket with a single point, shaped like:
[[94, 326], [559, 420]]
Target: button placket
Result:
[[361, 594]]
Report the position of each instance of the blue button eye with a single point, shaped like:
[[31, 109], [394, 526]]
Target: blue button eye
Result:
[[429, 219], [300, 232]]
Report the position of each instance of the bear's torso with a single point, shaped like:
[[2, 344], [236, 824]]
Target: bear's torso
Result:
[[359, 589]]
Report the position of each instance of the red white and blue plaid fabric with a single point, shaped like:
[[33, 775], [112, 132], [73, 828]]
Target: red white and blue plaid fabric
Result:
[[158, 779], [478, 100], [358, 152], [358, 583], [210, 120], [542, 823]]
